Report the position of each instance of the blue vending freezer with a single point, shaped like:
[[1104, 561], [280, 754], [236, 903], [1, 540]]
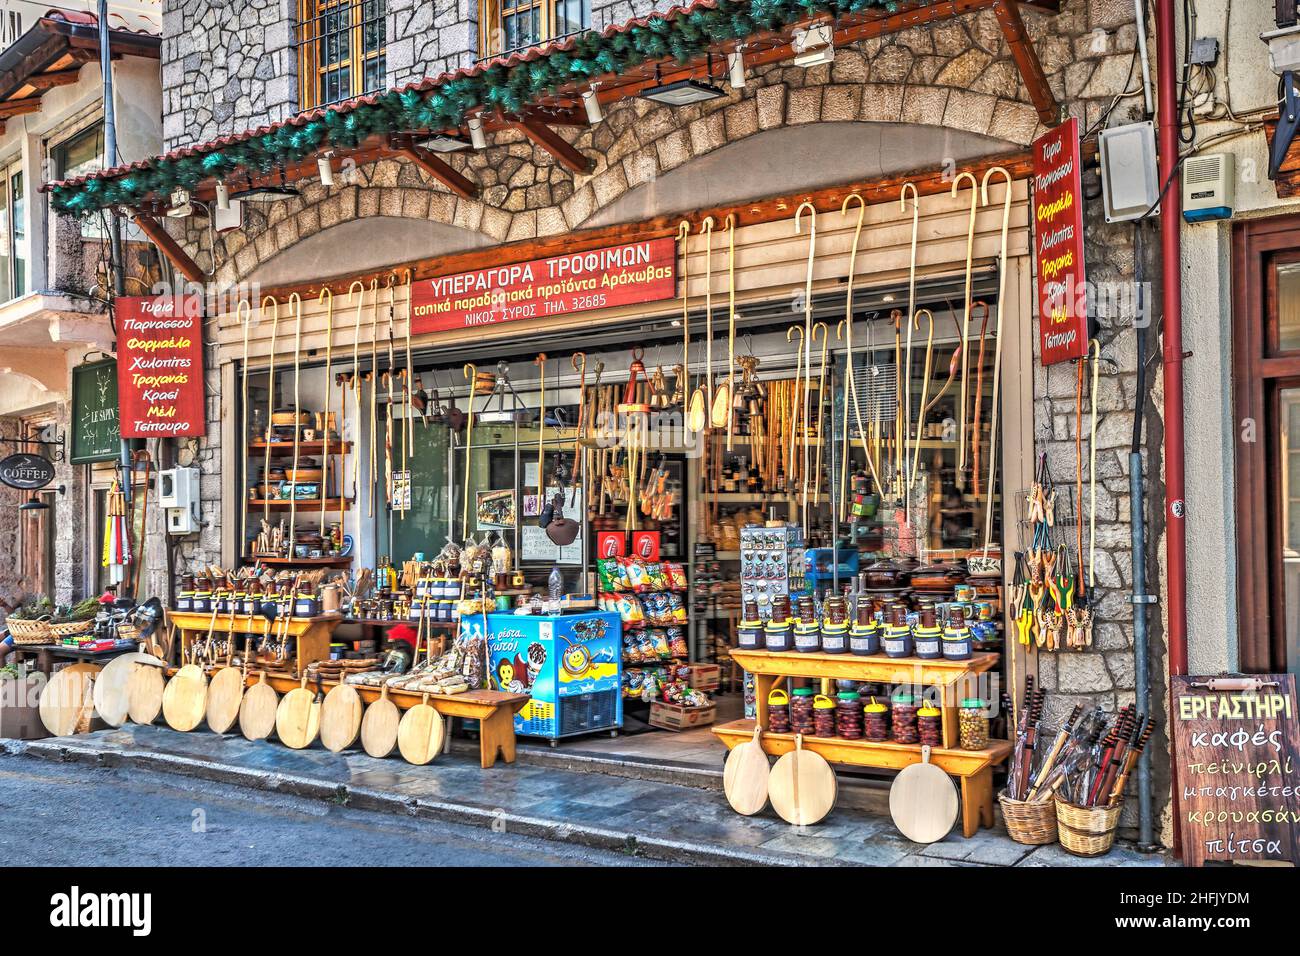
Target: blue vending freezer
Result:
[[571, 665]]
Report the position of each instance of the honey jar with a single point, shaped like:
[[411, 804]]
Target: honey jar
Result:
[[927, 639], [897, 640]]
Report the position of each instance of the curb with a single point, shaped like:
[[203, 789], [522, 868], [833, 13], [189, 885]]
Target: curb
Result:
[[364, 798]]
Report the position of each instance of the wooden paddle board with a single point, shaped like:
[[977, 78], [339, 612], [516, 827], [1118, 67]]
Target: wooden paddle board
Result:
[[379, 725], [745, 775], [297, 719], [923, 801], [113, 686], [802, 786], [144, 692], [420, 734], [225, 694], [68, 698], [257, 710], [340, 717], [185, 699]]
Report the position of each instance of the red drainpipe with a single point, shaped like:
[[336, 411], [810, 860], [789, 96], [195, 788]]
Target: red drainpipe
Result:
[[1172, 293]]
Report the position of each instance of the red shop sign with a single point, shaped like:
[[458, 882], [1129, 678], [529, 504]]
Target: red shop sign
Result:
[[160, 366], [611, 544], [629, 274], [1058, 245]]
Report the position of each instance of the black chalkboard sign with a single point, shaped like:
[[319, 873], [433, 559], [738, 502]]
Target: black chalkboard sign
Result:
[[94, 413]]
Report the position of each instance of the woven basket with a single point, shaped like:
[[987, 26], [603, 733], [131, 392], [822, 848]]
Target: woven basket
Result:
[[1033, 824], [30, 632], [1086, 831], [126, 631], [72, 628]]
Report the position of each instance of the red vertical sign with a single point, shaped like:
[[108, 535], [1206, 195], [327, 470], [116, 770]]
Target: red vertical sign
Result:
[[1058, 245], [160, 366]]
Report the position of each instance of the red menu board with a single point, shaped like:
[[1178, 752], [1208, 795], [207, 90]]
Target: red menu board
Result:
[[160, 366], [1058, 245], [644, 271]]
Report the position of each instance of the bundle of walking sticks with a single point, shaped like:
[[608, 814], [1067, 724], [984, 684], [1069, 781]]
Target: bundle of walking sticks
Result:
[[1088, 762]]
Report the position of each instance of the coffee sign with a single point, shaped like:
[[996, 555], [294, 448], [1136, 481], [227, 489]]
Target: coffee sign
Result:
[[1237, 767], [160, 366], [26, 471], [1058, 245]]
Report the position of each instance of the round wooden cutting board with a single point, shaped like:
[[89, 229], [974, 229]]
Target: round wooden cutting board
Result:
[[802, 786], [923, 801], [379, 726], [420, 734], [225, 694], [144, 692], [68, 698], [340, 717], [113, 686], [297, 719], [185, 699], [257, 710], [745, 776]]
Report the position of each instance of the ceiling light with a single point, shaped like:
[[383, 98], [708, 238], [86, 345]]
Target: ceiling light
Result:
[[736, 69], [223, 196], [180, 204], [476, 137], [814, 46], [325, 166], [442, 143], [682, 93], [592, 106], [34, 503]]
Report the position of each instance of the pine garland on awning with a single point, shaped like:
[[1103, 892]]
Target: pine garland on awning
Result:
[[510, 88]]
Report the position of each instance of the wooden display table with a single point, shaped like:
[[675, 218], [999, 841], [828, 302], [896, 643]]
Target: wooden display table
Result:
[[311, 634], [972, 768]]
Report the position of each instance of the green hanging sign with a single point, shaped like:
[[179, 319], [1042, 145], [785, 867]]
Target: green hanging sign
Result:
[[94, 413]]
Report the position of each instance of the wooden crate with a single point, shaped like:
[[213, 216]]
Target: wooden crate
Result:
[[675, 717], [705, 676]]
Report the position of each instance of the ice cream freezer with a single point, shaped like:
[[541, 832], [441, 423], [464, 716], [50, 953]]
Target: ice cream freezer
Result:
[[570, 664]]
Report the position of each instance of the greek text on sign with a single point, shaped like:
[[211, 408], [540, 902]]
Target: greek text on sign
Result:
[[629, 274], [1058, 245], [160, 366]]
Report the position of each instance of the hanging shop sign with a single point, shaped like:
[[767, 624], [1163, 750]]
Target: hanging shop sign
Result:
[[160, 366], [629, 274], [95, 435], [26, 471], [1237, 764], [1058, 245]]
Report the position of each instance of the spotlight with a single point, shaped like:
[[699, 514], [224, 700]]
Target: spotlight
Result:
[[325, 166], [736, 69], [445, 144], [223, 196], [592, 106], [476, 137], [682, 93], [814, 46]]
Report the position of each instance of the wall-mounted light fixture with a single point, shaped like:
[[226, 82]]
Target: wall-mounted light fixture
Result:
[[476, 137], [736, 69], [325, 166]]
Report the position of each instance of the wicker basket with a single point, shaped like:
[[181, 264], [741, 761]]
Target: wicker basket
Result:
[[1031, 823], [1086, 831], [30, 632], [72, 629]]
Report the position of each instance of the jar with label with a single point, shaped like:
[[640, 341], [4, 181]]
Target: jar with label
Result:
[[801, 710], [749, 632], [778, 712], [875, 722], [848, 715], [778, 635], [903, 719], [305, 605], [897, 640], [929, 726], [927, 639], [807, 631], [957, 640], [823, 716], [973, 724], [835, 625]]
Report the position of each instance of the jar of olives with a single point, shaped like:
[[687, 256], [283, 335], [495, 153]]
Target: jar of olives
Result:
[[801, 710], [903, 718], [973, 724], [823, 716], [875, 718], [929, 725], [778, 712], [848, 715]]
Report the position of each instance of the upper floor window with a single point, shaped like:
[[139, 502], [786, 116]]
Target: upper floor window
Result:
[[80, 154], [13, 233], [508, 25], [11, 27], [340, 50]]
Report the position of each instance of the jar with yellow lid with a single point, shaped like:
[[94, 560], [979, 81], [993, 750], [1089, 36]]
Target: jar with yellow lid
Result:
[[823, 716], [875, 717], [778, 712], [929, 726]]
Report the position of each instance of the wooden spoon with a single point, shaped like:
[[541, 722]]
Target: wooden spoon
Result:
[[379, 726], [420, 734], [745, 776], [257, 710]]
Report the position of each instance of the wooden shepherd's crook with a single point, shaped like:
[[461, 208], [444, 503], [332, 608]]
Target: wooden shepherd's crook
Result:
[[997, 351], [244, 313], [295, 301], [270, 406], [965, 325], [540, 362], [847, 326], [683, 241], [1095, 348], [374, 397], [728, 390], [821, 403], [807, 336], [326, 297], [794, 415], [905, 373], [925, 387], [358, 288], [471, 375]]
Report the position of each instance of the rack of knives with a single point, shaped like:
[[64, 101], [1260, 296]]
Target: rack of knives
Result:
[[1087, 763]]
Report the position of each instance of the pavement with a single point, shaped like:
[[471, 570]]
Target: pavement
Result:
[[564, 797]]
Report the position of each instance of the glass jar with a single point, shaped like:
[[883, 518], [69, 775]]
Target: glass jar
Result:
[[875, 718], [897, 641], [903, 719], [823, 716], [801, 710], [973, 725], [778, 712], [957, 640], [927, 639], [848, 715], [929, 726]]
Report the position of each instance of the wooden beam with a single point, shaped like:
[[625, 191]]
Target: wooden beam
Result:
[[1026, 60], [439, 170], [11, 108], [555, 144], [186, 266], [46, 81]]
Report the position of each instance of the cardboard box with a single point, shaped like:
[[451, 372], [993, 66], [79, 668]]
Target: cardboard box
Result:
[[675, 717], [19, 717], [705, 676]]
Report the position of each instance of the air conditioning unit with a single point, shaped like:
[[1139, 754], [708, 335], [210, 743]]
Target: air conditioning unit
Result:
[[1209, 187]]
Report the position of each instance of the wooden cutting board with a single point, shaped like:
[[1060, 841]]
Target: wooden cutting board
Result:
[[297, 719], [340, 717], [185, 699], [257, 710], [144, 691], [802, 786], [420, 734], [113, 686], [923, 801], [225, 694], [379, 726], [745, 776], [68, 698]]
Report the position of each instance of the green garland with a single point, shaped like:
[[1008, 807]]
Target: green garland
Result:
[[510, 89]]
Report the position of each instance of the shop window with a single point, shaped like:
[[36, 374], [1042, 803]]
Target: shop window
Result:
[[341, 45], [13, 235], [508, 25]]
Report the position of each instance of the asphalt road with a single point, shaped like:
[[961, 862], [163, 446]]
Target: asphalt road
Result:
[[64, 815]]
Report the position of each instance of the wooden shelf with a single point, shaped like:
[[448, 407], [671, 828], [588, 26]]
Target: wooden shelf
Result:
[[296, 562], [304, 505], [304, 447]]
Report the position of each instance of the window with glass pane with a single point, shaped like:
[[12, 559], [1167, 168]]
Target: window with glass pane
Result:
[[18, 202], [1288, 448], [6, 260], [506, 25], [80, 153], [340, 49]]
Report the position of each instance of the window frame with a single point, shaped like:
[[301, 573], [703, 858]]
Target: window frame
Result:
[[16, 267], [309, 35], [491, 13]]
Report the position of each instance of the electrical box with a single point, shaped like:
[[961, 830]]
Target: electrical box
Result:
[[1130, 182], [1209, 187], [178, 495]]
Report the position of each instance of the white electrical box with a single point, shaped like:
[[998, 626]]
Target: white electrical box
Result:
[[1209, 187], [178, 487], [183, 520], [1130, 183]]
